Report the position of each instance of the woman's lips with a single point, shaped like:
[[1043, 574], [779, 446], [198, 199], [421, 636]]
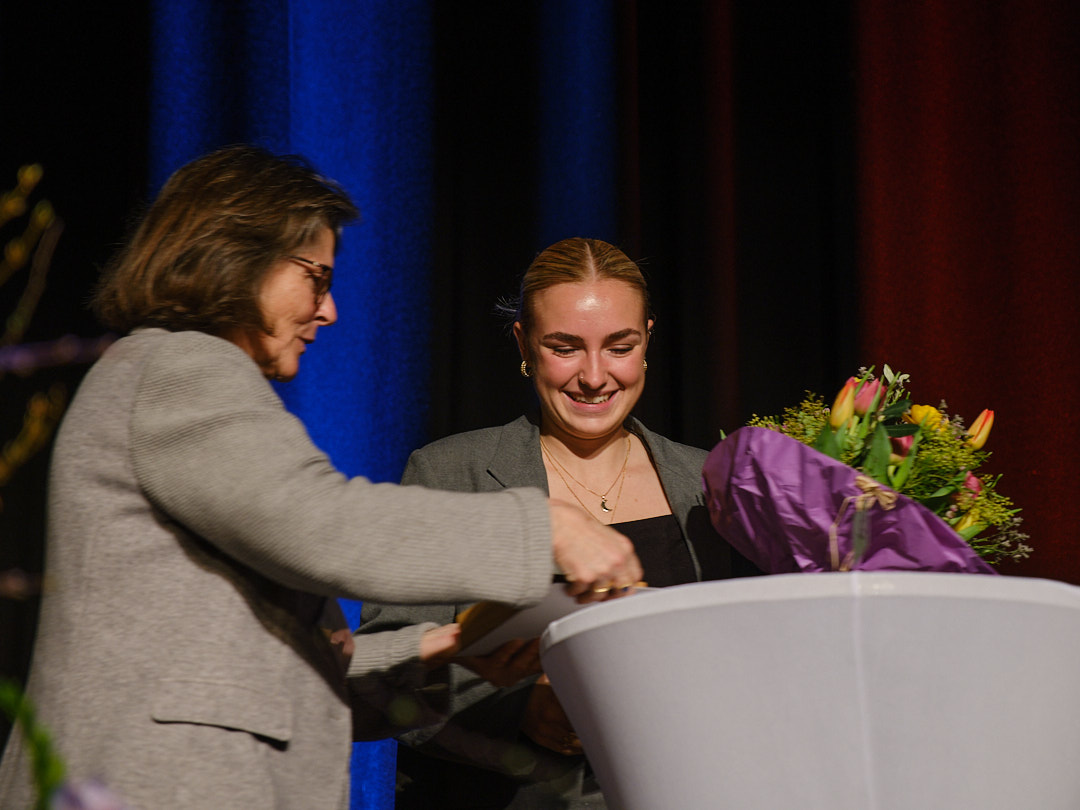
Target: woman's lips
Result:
[[590, 399]]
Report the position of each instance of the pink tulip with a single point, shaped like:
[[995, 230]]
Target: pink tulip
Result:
[[901, 445], [973, 484], [980, 429], [865, 398], [844, 406]]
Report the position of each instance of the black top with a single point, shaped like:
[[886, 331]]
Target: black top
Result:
[[659, 545], [665, 557]]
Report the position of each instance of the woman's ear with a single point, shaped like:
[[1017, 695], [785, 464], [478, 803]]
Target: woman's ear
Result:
[[519, 336]]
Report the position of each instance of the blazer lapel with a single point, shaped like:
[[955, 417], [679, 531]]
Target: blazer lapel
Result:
[[517, 461]]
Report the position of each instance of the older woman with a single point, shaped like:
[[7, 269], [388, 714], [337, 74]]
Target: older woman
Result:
[[196, 534], [582, 325]]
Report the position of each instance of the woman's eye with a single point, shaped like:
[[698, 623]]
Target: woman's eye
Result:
[[563, 351], [621, 350]]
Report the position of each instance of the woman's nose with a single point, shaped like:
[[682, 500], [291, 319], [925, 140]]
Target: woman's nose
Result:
[[592, 373], [326, 311]]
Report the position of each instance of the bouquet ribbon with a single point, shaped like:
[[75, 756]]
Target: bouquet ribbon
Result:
[[872, 492]]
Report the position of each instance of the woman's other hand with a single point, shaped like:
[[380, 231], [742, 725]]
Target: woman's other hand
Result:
[[514, 660], [342, 642], [545, 722], [599, 563], [439, 645]]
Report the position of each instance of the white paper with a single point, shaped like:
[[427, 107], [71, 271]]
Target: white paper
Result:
[[530, 622]]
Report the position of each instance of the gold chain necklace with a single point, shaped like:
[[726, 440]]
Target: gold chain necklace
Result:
[[620, 479]]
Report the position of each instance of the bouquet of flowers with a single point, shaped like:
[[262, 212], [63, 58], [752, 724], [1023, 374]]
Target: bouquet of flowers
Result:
[[875, 482]]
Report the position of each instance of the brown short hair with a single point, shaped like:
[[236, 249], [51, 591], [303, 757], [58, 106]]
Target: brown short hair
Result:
[[198, 258], [575, 260]]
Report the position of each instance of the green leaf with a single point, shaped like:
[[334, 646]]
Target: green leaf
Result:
[[902, 429], [877, 460], [971, 530], [843, 441], [862, 426], [826, 443], [897, 409]]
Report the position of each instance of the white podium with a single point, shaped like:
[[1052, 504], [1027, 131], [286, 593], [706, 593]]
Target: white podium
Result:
[[846, 691]]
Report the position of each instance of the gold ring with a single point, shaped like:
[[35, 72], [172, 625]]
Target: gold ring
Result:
[[601, 589]]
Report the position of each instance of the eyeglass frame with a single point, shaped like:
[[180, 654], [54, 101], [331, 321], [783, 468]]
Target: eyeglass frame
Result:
[[323, 279]]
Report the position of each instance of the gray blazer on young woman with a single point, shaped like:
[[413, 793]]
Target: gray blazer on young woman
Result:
[[196, 537], [481, 724]]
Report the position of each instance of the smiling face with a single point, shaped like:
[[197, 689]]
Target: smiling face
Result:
[[291, 309], [586, 348]]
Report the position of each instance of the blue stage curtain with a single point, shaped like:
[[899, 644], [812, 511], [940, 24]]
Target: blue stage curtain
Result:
[[579, 138], [348, 85]]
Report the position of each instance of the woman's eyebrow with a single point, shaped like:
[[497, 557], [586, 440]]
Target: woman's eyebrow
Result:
[[565, 337]]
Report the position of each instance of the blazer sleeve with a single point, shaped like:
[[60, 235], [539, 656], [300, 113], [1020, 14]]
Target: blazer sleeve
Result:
[[215, 450], [464, 712]]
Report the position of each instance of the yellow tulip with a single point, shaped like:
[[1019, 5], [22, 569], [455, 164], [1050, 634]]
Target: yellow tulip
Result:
[[970, 518], [844, 406], [926, 415], [980, 429]]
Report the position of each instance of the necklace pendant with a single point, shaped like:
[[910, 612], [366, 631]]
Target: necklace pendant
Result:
[[603, 504]]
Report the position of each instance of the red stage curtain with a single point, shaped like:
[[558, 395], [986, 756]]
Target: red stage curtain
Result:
[[968, 116]]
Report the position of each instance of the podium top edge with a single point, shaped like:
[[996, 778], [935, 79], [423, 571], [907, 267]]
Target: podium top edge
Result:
[[855, 585]]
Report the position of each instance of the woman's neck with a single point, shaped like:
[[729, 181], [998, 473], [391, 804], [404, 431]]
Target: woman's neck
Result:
[[587, 449]]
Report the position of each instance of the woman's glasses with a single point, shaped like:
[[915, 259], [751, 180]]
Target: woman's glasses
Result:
[[321, 274]]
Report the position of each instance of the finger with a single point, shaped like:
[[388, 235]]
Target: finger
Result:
[[588, 596], [625, 590], [575, 587], [570, 744], [505, 652], [606, 591], [560, 740], [526, 656], [526, 653], [440, 643], [611, 574]]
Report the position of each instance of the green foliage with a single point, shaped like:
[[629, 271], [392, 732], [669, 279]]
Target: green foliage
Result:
[[47, 767]]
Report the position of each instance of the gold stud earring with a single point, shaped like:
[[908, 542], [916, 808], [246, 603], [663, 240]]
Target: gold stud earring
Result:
[[525, 371], [644, 365]]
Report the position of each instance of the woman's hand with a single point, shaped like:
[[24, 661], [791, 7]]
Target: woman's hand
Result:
[[599, 563], [545, 722], [342, 642], [439, 645], [514, 660]]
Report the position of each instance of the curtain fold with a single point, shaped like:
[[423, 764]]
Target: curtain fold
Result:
[[969, 189]]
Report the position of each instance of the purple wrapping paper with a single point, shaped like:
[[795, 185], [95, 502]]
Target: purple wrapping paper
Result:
[[775, 498]]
